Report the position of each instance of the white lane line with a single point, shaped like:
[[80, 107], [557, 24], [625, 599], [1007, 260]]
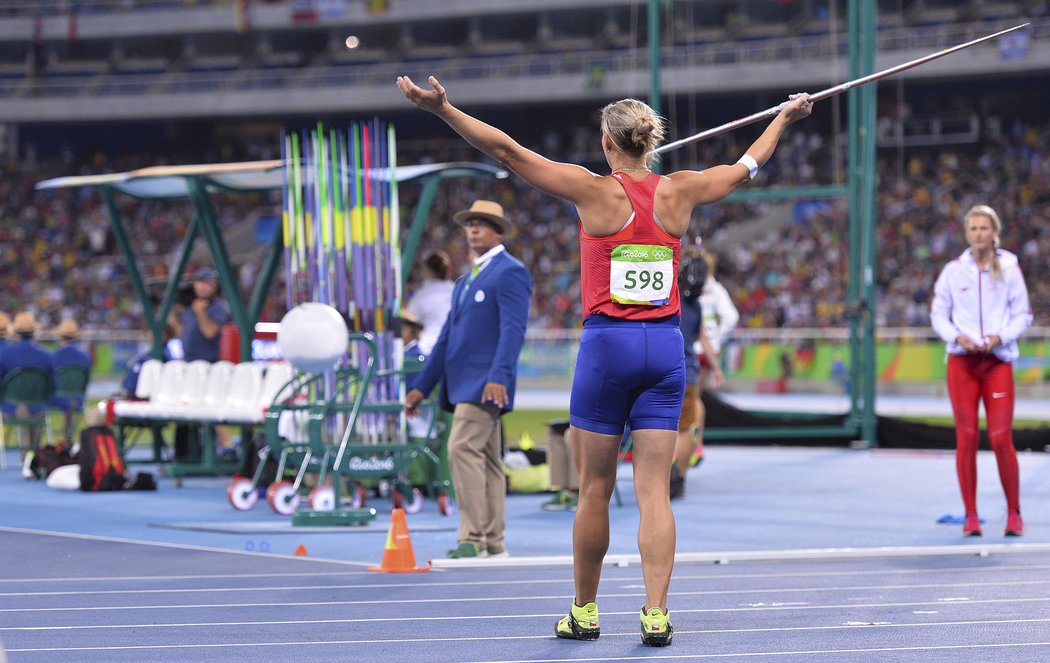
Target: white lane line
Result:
[[303, 622], [726, 557], [632, 634], [562, 579], [179, 546], [805, 652], [503, 597], [210, 576], [750, 608]]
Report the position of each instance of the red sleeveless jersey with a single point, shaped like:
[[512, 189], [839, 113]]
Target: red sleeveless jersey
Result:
[[632, 275]]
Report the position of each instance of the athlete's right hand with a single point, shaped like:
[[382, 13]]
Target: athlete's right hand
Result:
[[428, 100], [968, 345], [412, 400]]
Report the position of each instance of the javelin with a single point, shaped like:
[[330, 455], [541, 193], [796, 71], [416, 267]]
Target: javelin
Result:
[[830, 92]]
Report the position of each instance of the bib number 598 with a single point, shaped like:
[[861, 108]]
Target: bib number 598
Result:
[[634, 279]]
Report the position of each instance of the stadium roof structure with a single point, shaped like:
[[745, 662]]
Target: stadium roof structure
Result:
[[198, 182]]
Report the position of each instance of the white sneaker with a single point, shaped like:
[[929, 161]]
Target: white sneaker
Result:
[[27, 462], [503, 554]]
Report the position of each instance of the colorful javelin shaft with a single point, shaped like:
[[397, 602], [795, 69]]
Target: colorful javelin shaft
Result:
[[287, 214]]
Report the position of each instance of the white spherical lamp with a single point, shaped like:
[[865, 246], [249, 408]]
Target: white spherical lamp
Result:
[[313, 337]]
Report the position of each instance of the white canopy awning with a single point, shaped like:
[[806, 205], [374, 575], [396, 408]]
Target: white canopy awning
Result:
[[170, 181]]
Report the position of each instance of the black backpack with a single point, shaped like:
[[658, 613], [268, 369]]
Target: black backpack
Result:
[[49, 458], [101, 467]]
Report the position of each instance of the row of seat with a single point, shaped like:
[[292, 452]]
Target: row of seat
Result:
[[220, 392]]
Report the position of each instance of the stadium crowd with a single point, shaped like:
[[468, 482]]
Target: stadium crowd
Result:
[[59, 258], [795, 274]]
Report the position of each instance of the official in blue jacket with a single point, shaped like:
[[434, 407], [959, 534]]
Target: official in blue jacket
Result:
[[69, 354], [23, 352], [475, 361]]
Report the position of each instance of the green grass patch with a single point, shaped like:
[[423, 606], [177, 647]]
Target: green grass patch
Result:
[[532, 422], [950, 422]]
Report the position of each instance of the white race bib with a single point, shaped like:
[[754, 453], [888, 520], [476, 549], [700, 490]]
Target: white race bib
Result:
[[641, 274]]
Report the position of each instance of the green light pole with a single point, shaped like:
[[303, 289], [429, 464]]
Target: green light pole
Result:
[[654, 61]]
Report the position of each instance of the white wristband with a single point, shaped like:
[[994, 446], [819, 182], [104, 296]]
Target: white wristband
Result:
[[752, 165]]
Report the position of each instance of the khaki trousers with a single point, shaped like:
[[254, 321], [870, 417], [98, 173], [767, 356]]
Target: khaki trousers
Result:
[[476, 464], [560, 460]]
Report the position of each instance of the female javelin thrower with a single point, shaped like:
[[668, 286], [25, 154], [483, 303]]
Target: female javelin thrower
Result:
[[630, 367], [980, 308]]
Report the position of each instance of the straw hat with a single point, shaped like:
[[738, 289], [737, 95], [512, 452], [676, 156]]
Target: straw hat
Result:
[[68, 329], [409, 319], [24, 323], [486, 210], [5, 324]]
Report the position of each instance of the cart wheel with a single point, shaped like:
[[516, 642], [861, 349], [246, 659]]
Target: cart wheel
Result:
[[322, 498], [360, 497], [241, 494], [282, 498], [414, 503], [446, 505]]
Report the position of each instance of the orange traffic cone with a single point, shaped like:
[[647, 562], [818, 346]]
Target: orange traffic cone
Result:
[[300, 551], [397, 555]]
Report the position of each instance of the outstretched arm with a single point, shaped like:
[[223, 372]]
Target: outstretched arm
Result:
[[564, 180], [716, 183]]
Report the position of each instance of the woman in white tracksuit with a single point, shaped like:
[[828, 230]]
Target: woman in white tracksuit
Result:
[[980, 308], [720, 318], [720, 315]]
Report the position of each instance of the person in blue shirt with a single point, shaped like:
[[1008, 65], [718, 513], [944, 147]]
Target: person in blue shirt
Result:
[[411, 331], [692, 276], [203, 318], [24, 352], [69, 354], [202, 323], [5, 324], [134, 366]]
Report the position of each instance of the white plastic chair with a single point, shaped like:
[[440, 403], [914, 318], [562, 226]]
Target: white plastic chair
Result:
[[241, 394], [277, 375], [149, 378], [148, 382], [167, 392], [214, 394], [191, 392]]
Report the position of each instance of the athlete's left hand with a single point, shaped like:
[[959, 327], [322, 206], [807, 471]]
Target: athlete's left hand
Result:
[[797, 107], [496, 394]]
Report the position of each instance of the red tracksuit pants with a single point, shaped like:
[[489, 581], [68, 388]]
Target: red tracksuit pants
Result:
[[971, 378]]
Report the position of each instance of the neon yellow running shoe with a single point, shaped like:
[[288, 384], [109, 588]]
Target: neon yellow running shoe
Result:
[[656, 628], [579, 624]]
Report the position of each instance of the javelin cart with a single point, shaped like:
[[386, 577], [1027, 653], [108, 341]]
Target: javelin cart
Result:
[[341, 426], [330, 450]]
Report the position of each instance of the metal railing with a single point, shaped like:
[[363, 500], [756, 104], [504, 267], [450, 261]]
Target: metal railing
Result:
[[678, 56]]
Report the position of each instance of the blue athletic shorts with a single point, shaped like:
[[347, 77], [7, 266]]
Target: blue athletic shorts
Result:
[[628, 372]]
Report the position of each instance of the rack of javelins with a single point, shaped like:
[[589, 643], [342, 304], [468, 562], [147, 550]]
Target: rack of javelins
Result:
[[337, 430]]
